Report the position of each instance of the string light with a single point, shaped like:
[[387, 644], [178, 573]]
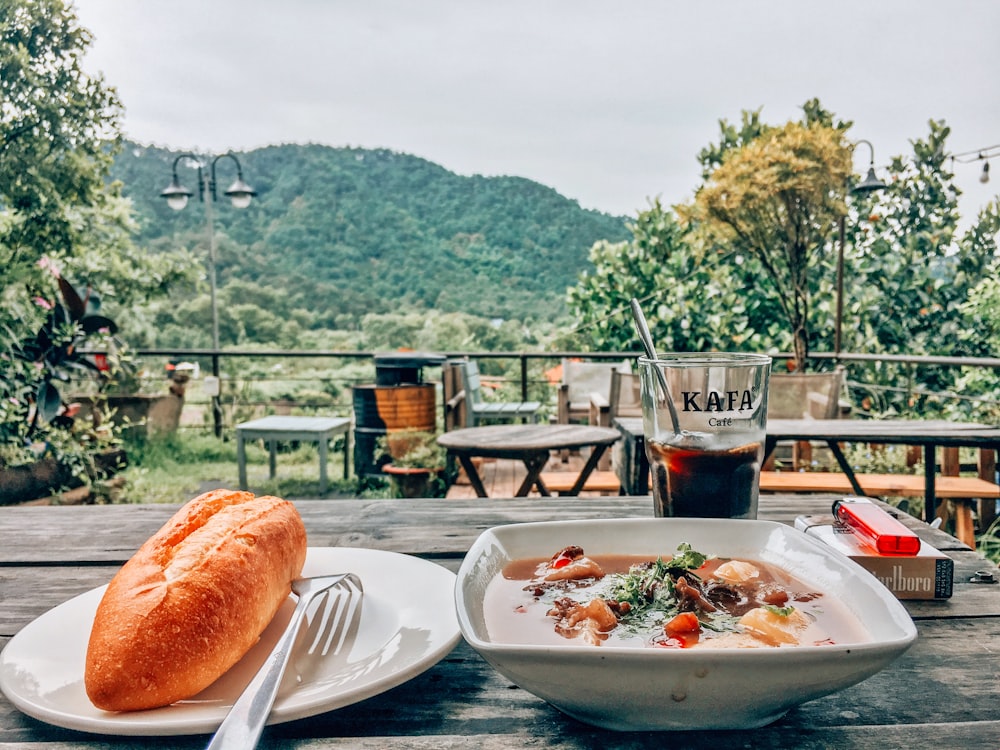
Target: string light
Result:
[[980, 154]]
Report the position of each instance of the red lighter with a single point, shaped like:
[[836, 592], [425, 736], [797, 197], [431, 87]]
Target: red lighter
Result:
[[885, 533]]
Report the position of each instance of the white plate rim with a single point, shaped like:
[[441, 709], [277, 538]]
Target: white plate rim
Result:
[[424, 589]]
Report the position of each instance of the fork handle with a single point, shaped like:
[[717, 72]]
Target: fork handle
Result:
[[245, 721]]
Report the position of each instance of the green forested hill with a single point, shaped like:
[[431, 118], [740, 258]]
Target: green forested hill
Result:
[[347, 231]]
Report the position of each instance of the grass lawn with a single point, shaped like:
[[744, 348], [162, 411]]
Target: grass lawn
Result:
[[176, 468]]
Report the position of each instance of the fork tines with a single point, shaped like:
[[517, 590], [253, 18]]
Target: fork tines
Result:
[[336, 616]]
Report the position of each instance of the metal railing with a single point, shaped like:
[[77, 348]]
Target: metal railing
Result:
[[244, 379]]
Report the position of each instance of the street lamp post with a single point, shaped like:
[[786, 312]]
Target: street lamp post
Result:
[[869, 184], [240, 194]]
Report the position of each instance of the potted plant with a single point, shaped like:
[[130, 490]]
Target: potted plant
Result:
[[416, 463]]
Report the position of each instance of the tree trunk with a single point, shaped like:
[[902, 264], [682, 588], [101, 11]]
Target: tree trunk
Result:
[[801, 348]]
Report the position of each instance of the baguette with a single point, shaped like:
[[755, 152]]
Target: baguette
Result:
[[193, 600]]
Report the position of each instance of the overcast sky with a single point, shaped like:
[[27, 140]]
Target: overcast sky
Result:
[[607, 102]]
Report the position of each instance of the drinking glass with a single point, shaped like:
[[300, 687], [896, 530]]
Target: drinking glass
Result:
[[704, 419]]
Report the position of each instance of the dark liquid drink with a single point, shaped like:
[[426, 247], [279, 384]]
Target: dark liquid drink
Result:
[[692, 480]]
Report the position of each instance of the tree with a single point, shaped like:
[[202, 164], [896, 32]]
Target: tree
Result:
[[982, 334], [908, 248], [693, 302], [61, 224], [776, 198], [917, 285], [913, 271], [55, 136]]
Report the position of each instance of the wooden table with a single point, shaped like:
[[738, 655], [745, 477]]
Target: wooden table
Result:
[[530, 443], [929, 434], [943, 693], [272, 430]]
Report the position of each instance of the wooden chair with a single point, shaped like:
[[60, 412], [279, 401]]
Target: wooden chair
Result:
[[625, 396], [586, 387], [583, 396], [478, 410], [803, 395], [624, 400]]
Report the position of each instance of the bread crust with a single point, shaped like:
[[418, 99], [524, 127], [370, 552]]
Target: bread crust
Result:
[[193, 599]]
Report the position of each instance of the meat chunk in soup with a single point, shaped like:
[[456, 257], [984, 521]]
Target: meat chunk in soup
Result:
[[570, 564], [592, 622]]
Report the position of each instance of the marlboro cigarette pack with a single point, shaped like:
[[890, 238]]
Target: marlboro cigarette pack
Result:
[[926, 575]]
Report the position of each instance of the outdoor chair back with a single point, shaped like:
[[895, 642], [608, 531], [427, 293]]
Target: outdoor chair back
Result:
[[586, 386], [625, 400], [805, 395], [626, 397], [802, 395], [479, 410]]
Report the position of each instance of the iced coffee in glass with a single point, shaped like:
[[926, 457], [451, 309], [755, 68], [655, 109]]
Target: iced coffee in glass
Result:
[[704, 419]]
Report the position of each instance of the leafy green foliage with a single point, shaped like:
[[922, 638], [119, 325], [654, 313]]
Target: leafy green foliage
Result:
[[56, 127], [914, 284], [982, 337], [693, 301], [75, 341], [916, 281], [776, 198], [59, 219], [988, 544], [56, 351], [780, 611], [687, 558], [652, 585], [645, 587]]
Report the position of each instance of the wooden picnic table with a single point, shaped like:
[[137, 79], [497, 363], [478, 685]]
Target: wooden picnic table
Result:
[[530, 443], [928, 434], [943, 693]]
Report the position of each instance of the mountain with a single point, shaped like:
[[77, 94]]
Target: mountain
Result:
[[360, 230]]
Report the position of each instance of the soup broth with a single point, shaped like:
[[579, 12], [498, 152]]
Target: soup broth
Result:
[[722, 603]]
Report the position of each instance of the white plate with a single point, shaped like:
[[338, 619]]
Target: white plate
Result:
[[407, 625]]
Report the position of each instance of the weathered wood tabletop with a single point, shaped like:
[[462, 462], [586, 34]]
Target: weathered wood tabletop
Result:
[[943, 693]]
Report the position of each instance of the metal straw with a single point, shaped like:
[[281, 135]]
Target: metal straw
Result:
[[647, 342]]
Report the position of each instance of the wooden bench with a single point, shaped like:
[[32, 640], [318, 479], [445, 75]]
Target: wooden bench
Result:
[[960, 489], [561, 482], [905, 485]]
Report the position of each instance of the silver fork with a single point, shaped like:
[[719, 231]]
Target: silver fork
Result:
[[245, 721]]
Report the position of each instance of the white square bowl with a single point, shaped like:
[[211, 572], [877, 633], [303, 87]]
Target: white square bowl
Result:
[[663, 689]]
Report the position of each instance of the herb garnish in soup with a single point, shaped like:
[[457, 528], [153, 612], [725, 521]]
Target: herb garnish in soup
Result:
[[689, 600]]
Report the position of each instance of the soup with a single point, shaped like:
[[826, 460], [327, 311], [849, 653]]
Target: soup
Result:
[[686, 600]]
